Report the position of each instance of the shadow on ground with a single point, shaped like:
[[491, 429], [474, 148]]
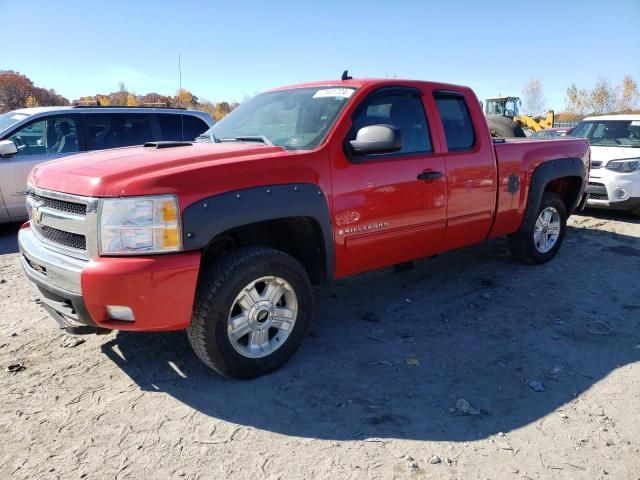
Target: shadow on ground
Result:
[[605, 214], [391, 353]]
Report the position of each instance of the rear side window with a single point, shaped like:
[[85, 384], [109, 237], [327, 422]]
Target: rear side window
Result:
[[181, 127], [192, 127], [118, 130], [456, 121]]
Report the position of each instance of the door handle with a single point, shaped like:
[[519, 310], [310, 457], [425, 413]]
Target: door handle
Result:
[[429, 175]]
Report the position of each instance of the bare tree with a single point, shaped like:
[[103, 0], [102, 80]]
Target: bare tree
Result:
[[629, 98], [603, 97], [533, 97]]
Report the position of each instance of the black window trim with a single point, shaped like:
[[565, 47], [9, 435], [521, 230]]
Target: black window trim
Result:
[[388, 91], [458, 95]]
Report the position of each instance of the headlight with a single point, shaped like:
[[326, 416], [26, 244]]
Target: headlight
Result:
[[624, 166], [130, 226]]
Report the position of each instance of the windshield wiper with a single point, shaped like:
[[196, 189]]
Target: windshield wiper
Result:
[[208, 137], [247, 138]]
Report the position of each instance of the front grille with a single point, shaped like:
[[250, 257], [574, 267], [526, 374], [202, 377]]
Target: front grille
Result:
[[596, 164], [60, 205], [597, 191], [59, 237], [64, 222]]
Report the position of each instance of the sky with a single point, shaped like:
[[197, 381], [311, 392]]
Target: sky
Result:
[[230, 50]]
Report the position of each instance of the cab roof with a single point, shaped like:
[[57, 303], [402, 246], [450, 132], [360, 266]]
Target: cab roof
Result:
[[361, 82]]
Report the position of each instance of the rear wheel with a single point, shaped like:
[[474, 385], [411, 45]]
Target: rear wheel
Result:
[[252, 310], [504, 127], [541, 242]]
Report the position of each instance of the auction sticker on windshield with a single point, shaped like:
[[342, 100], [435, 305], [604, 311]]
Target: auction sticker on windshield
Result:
[[334, 92]]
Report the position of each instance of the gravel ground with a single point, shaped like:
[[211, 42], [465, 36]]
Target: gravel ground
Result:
[[468, 366]]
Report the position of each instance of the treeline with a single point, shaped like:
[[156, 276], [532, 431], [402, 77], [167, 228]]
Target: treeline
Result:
[[183, 99], [603, 98], [18, 91]]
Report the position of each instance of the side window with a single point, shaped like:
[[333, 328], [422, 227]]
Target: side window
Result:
[[170, 127], [404, 111], [456, 121], [50, 136], [118, 130], [192, 127]]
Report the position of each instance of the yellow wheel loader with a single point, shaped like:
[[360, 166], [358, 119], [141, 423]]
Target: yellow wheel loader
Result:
[[505, 120]]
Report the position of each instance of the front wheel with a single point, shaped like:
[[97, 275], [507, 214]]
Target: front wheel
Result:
[[541, 242], [252, 310]]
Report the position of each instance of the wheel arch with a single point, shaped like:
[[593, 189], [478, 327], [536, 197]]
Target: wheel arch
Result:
[[293, 218], [565, 177]]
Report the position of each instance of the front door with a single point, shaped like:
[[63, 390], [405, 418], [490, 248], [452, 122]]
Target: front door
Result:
[[388, 208], [39, 141]]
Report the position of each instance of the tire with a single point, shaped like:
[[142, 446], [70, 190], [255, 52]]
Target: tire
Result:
[[504, 127], [222, 295], [527, 246]]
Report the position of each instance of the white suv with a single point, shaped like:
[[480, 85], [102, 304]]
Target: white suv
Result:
[[614, 181]]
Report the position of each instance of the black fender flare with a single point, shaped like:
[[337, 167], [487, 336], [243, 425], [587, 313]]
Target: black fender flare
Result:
[[207, 218], [542, 175]]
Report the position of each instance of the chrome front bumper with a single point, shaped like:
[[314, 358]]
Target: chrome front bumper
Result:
[[43, 265], [58, 279]]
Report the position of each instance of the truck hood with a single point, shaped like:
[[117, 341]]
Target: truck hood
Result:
[[135, 170], [606, 154]]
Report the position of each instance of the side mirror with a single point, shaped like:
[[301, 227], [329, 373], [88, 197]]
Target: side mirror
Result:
[[376, 139], [7, 148]]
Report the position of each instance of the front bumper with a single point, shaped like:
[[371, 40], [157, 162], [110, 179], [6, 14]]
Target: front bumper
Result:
[[605, 187], [159, 289]]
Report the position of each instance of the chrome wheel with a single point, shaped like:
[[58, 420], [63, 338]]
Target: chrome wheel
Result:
[[547, 230], [262, 317]]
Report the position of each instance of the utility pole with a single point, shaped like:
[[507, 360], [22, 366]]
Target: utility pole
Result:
[[180, 72]]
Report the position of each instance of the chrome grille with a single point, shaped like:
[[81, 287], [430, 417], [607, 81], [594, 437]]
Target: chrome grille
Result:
[[60, 237], [63, 222], [61, 205]]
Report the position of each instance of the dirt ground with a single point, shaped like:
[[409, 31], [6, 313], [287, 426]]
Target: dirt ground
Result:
[[470, 366]]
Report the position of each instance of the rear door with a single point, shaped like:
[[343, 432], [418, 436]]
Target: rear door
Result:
[[41, 140], [471, 169], [383, 212]]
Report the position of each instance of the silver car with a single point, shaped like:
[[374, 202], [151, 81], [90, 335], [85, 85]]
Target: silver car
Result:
[[34, 135]]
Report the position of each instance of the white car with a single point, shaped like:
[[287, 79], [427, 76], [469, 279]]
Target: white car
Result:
[[614, 181]]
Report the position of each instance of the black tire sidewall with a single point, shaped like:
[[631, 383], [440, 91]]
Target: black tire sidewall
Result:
[[226, 359], [549, 200]]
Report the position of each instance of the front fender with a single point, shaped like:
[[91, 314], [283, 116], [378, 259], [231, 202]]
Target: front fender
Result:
[[207, 218]]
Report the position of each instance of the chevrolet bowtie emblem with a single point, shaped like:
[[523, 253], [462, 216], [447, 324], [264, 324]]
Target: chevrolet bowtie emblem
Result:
[[36, 214]]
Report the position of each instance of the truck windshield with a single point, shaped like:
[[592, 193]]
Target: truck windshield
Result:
[[296, 119], [609, 133], [11, 118]]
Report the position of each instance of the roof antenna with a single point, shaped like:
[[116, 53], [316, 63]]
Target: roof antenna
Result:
[[345, 76]]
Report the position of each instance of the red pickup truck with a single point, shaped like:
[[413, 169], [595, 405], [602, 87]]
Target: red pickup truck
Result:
[[225, 236]]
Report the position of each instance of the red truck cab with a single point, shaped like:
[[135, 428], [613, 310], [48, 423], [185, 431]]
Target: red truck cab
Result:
[[300, 185]]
